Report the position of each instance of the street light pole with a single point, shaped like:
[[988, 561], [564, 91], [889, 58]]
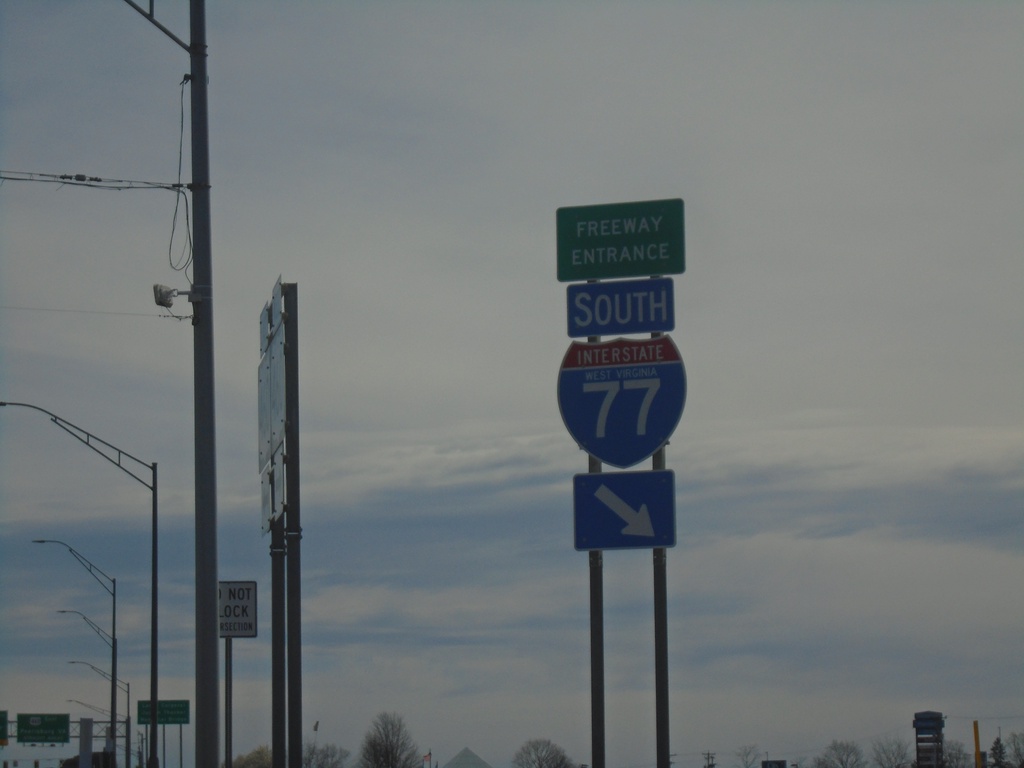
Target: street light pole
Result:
[[110, 585], [126, 687], [109, 640], [130, 465]]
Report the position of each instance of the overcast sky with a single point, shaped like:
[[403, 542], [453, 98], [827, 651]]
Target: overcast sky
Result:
[[849, 465]]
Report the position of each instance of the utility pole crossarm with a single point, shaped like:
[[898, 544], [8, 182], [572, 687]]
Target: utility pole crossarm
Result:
[[152, 20]]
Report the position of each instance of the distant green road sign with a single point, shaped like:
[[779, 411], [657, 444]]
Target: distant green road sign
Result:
[[168, 712], [44, 729], [620, 240]]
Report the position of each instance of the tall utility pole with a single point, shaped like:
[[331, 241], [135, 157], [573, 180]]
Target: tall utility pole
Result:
[[207, 660]]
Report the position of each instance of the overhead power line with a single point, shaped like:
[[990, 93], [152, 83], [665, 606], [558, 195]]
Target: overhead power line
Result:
[[89, 312], [83, 180], [180, 188]]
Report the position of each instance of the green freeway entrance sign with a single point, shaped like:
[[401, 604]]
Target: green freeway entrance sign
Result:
[[620, 240], [40, 729], [168, 712]]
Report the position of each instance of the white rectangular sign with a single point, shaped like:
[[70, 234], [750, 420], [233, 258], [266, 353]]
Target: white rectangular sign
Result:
[[237, 608]]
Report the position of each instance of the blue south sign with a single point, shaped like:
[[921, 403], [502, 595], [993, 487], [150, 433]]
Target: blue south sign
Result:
[[622, 399], [616, 307]]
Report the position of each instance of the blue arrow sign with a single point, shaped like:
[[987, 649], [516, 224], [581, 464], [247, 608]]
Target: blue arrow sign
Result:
[[616, 307], [622, 399], [624, 510]]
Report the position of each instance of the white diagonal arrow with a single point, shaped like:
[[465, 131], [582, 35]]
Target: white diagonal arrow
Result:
[[638, 522]]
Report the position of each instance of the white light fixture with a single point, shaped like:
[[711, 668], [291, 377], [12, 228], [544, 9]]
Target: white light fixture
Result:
[[164, 295]]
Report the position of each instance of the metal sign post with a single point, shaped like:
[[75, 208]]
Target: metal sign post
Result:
[[279, 469]]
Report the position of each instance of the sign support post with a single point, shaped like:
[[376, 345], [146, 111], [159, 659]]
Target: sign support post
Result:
[[293, 532], [278, 705], [661, 722], [659, 557], [279, 442], [597, 746], [597, 737], [228, 701]]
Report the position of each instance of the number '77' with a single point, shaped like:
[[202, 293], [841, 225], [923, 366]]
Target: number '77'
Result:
[[611, 389]]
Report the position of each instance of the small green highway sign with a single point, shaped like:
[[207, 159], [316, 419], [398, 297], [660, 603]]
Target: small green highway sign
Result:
[[620, 240], [168, 712], [44, 729]]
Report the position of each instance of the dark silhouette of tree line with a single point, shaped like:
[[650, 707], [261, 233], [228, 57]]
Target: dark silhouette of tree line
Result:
[[388, 743]]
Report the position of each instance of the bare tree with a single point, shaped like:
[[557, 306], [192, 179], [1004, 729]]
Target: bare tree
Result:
[[1015, 749], [748, 756], [322, 755], [387, 744], [260, 757], [541, 753], [954, 754], [841, 754], [891, 752]]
